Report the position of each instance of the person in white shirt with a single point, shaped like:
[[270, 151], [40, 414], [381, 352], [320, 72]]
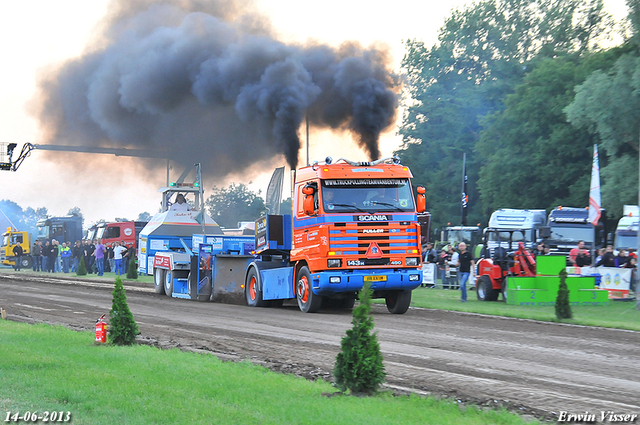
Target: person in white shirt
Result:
[[180, 204], [117, 257]]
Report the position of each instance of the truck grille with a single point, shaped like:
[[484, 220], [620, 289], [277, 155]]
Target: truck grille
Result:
[[355, 238]]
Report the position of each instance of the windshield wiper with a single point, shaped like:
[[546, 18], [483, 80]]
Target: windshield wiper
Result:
[[390, 205], [350, 206]]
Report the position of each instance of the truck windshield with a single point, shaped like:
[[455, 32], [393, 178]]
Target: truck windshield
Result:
[[43, 232], [626, 241], [367, 195], [571, 234], [456, 235], [100, 233]]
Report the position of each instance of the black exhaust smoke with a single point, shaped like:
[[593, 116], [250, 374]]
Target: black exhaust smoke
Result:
[[184, 78]]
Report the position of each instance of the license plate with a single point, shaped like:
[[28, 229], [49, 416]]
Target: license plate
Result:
[[375, 278]]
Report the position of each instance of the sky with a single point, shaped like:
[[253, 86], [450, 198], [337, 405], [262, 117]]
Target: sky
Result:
[[38, 35]]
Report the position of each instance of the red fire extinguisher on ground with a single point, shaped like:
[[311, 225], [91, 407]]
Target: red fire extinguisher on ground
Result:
[[101, 330]]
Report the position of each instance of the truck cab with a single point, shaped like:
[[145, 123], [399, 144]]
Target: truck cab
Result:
[[62, 229], [10, 239], [569, 225], [533, 224], [355, 223], [626, 236]]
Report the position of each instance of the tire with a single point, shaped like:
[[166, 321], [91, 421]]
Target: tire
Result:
[[484, 289], [158, 280], [252, 292], [398, 302], [307, 300], [168, 283], [26, 262]]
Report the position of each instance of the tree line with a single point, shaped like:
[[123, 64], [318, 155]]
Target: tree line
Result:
[[525, 88]]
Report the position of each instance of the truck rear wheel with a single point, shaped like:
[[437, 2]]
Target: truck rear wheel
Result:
[[252, 292], [168, 283], [398, 302], [26, 262], [485, 291], [307, 300], [158, 280]]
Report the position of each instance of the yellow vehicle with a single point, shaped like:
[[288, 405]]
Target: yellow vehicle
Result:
[[11, 238]]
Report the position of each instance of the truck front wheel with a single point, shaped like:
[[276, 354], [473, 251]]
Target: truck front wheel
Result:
[[398, 302], [26, 262], [307, 300], [158, 280], [252, 292], [485, 291]]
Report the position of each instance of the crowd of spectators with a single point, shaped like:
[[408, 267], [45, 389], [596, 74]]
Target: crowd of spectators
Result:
[[56, 257]]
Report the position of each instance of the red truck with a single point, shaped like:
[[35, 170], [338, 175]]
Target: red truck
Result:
[[117, 231]]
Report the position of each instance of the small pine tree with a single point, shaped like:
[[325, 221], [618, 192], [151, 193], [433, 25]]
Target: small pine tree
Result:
[[563, 309], [123, 328], [132, 270], [359, 365], [82, 268]]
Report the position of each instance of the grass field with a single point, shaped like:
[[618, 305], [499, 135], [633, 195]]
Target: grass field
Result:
[[618, 314], [47, 368]]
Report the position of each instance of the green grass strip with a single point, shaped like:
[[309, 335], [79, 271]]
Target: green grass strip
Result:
[[50, 368], [618, 314]]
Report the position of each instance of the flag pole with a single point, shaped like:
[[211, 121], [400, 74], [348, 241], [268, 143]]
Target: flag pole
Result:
[[465, 199]]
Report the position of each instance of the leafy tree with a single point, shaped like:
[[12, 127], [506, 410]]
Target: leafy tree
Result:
[[227, 206], [76, 211], [563, 309], [359, 367], [482, 53], [607, 104], [24, 220], [123, 328], [144, 216], [285, 206], [533, 157]]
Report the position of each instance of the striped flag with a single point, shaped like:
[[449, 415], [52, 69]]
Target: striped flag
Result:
[[594, 193]]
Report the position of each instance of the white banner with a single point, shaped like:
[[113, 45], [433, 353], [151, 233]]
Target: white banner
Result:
[[428, 274], [610, 277]]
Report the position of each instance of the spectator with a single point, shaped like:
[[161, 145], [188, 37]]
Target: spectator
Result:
[[76, 254], [65, 256], [117, 256], [453, 267], [599, 254], [621, 259], [441, 262], [52, 256], [465, 264], [17, 253], [539, 250], [579, 256], [608, 259], [110, 260], [99, 256], [36, 253], [57, 263]]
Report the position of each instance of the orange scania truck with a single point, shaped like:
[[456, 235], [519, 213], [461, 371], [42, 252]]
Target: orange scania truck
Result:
[[353, 222]]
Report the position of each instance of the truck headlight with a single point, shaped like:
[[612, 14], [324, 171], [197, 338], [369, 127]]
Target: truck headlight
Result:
[[334, 279], [414, 277], [334, 262], [412, 261]]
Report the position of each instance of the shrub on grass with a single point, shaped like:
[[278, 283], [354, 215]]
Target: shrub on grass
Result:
[[132, 270], [123, 328], [359, 367], [563, 309], [82, 268]]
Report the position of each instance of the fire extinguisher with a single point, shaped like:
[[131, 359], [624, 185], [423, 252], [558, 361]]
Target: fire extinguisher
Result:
[[101, 330]]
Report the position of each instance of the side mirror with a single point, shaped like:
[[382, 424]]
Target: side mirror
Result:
[[421, 201], [308, 202]]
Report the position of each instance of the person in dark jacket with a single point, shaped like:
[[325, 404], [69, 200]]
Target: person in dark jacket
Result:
[[36, 254], [17, 253], [608, 259]]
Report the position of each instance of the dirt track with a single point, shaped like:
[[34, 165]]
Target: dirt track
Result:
[[532, 367]]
